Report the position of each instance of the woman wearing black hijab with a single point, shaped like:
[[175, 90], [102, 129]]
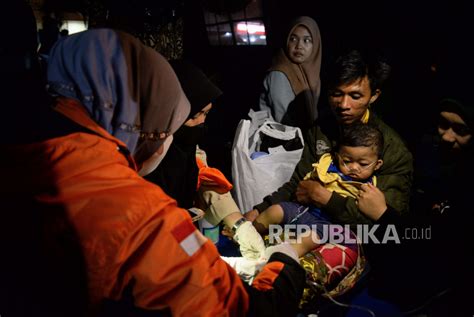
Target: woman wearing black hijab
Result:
[[177, 174], [180, 176], [428, 270]]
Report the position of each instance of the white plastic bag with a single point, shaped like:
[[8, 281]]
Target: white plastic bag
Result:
[[253, 179]]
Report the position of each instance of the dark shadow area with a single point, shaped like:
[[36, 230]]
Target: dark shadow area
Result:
[[42, 271]]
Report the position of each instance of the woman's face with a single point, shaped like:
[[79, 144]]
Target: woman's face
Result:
[[453, 130], [300, 45], [152, 163], [199, 117]]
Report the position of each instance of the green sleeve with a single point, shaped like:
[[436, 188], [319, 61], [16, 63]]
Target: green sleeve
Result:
[[395, 179], [344, 210]]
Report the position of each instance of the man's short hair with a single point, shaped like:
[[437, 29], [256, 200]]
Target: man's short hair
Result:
[[355, 65], [359, 134]]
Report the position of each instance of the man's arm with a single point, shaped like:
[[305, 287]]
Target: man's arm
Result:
[[396, 174], [341, 209], [394, 180], [396, 185]]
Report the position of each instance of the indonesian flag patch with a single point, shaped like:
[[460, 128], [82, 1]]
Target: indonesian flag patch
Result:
[[188, 237]]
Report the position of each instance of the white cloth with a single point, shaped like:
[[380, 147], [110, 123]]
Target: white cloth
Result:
[[246, 268]]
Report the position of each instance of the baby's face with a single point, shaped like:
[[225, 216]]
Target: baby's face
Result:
[[358, 162]]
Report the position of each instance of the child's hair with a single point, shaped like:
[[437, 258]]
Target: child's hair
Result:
[[360, 134]]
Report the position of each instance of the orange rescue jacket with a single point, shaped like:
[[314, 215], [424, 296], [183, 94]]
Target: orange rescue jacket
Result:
[[130, 231]]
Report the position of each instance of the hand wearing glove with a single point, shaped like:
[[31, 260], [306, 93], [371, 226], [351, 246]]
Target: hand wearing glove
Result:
[[250, 241]]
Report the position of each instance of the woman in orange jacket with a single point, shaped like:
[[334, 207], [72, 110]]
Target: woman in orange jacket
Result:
[[117, 104]]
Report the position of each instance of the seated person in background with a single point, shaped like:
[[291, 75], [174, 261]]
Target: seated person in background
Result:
[[354, 84], [441, 154], [292, 86], [431, 268], [184, 175]]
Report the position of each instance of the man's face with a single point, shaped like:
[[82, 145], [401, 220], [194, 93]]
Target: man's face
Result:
[[350, 102]]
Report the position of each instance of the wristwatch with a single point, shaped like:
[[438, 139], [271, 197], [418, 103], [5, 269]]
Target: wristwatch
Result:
[[237, 224]]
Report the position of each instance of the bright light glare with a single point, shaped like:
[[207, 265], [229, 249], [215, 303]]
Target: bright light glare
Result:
[[74, 26], [251, 28]]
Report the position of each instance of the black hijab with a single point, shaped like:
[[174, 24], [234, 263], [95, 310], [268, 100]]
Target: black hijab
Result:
[[177, 174]]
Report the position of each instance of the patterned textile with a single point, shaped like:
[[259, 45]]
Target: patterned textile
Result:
[[331, 270]]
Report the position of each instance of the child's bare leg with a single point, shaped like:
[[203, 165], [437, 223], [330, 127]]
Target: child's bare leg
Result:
[[306, 243], [271, 215], [299, 248]]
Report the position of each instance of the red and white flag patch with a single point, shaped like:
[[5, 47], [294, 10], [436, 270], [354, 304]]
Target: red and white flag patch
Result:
[[188, 237]]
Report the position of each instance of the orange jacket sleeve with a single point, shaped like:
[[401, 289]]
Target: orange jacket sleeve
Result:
[[179, 270], [211, 176]]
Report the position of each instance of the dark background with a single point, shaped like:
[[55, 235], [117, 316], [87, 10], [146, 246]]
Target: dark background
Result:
[[418, 38]]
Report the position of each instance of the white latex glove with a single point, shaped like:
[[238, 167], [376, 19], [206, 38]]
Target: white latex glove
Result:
[[250, 241], [284, 248], [246, 268]]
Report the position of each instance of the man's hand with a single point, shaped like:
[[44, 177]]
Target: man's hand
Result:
[[371, 201], [312, 192]]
